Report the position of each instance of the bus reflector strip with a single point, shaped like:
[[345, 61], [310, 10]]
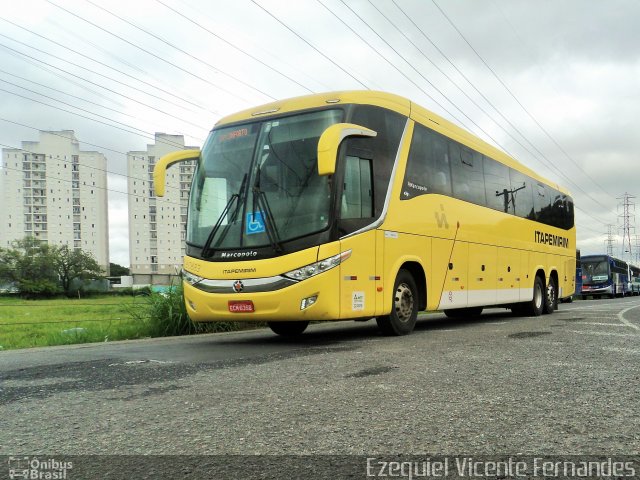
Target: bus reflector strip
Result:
[[351, 277]]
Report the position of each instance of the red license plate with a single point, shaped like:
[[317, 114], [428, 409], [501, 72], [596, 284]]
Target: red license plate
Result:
[[241, 306]]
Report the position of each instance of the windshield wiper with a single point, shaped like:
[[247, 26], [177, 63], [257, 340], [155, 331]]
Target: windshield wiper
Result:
[[260, 200], [234, 198]]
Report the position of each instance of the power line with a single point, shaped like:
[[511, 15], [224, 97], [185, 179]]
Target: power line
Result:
[[158, 57], [307, 42], [497, 77], [58, 91], [414, 69], [143, 134], [87, 80], [543, 158], [110, 67], [84, 100], [235, 47], [236, 79], [462, 74]]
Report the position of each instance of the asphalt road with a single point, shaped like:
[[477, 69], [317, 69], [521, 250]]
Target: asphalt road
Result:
[[558, 384]]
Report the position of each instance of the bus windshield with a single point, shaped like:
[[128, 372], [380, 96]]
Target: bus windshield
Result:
[[595, 270], [257, 184]]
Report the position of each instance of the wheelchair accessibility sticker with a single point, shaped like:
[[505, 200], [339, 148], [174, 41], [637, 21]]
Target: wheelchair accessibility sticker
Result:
[[254, 223]]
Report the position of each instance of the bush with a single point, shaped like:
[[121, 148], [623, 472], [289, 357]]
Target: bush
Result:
[[130, 292], [166, 315], [38, 288]]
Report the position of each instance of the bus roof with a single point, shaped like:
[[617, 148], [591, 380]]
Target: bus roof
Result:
[[392, 102]]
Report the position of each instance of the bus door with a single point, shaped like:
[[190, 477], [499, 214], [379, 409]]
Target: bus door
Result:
[[359, 274]]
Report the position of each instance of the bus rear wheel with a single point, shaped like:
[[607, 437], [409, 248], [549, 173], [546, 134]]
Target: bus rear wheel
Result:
[[288, 329], [551, 298], [404, 308]]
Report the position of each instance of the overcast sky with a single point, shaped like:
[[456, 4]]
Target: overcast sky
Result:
[[554, 83]]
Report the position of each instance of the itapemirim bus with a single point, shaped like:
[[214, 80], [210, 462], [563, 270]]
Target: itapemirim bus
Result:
[[361, 204]]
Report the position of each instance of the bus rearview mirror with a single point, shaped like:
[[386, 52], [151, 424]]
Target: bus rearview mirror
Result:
[[160, 170], [330, 141]]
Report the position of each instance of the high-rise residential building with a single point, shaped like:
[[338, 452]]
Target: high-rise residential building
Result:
[[55, 192], [157, 226]]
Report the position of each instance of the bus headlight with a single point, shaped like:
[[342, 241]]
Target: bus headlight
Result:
[[190, 278], [313, 269]]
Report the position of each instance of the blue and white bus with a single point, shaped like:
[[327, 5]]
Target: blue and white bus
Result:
[[604, 275], [634, 278]]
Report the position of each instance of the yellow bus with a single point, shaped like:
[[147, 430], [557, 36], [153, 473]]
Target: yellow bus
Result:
[[362, 204]]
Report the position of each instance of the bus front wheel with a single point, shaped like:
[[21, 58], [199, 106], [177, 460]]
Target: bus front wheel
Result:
[[535, 307], [404, 308], [288, 329]]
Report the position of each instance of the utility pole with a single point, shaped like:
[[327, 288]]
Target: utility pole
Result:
[[610, 241], [627, 206]]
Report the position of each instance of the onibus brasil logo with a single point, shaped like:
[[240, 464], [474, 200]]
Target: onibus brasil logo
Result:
[[35, 468]]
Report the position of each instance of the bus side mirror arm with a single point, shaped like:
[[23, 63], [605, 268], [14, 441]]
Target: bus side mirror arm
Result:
[[160, 170], [330, 141]]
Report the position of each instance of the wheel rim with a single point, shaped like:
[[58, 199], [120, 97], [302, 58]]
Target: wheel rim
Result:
[[537, 296], [404, 303]]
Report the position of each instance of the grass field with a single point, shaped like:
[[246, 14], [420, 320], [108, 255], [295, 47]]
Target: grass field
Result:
[[32, 323]]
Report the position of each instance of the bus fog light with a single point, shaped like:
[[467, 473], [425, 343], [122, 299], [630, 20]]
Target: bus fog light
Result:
[[192, 305], [307, 302]]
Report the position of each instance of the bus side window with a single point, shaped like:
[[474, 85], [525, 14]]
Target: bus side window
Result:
[[427, 166], [497, 186], [439, 166], [357, 198], [467, 175], [542, 202], [521, 202]]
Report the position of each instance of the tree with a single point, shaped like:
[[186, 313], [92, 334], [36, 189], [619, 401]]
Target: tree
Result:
[[117, 270], [74, 263], [28, 266], [36, 268]]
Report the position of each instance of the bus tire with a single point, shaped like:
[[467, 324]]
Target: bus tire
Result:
[[535, 307], [288, 329], [551, 297], [463, 312], [404, 308]]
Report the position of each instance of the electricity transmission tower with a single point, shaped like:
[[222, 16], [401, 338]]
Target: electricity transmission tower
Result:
[[610, 241], [627, 207]]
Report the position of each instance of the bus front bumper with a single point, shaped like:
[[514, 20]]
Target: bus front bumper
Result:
[[588, 290], [316, 298]]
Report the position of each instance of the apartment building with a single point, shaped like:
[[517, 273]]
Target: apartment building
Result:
[[157, 226], [57, 193]]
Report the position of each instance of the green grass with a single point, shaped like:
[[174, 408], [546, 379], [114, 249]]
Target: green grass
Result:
[[40, 323], [33, 323]]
